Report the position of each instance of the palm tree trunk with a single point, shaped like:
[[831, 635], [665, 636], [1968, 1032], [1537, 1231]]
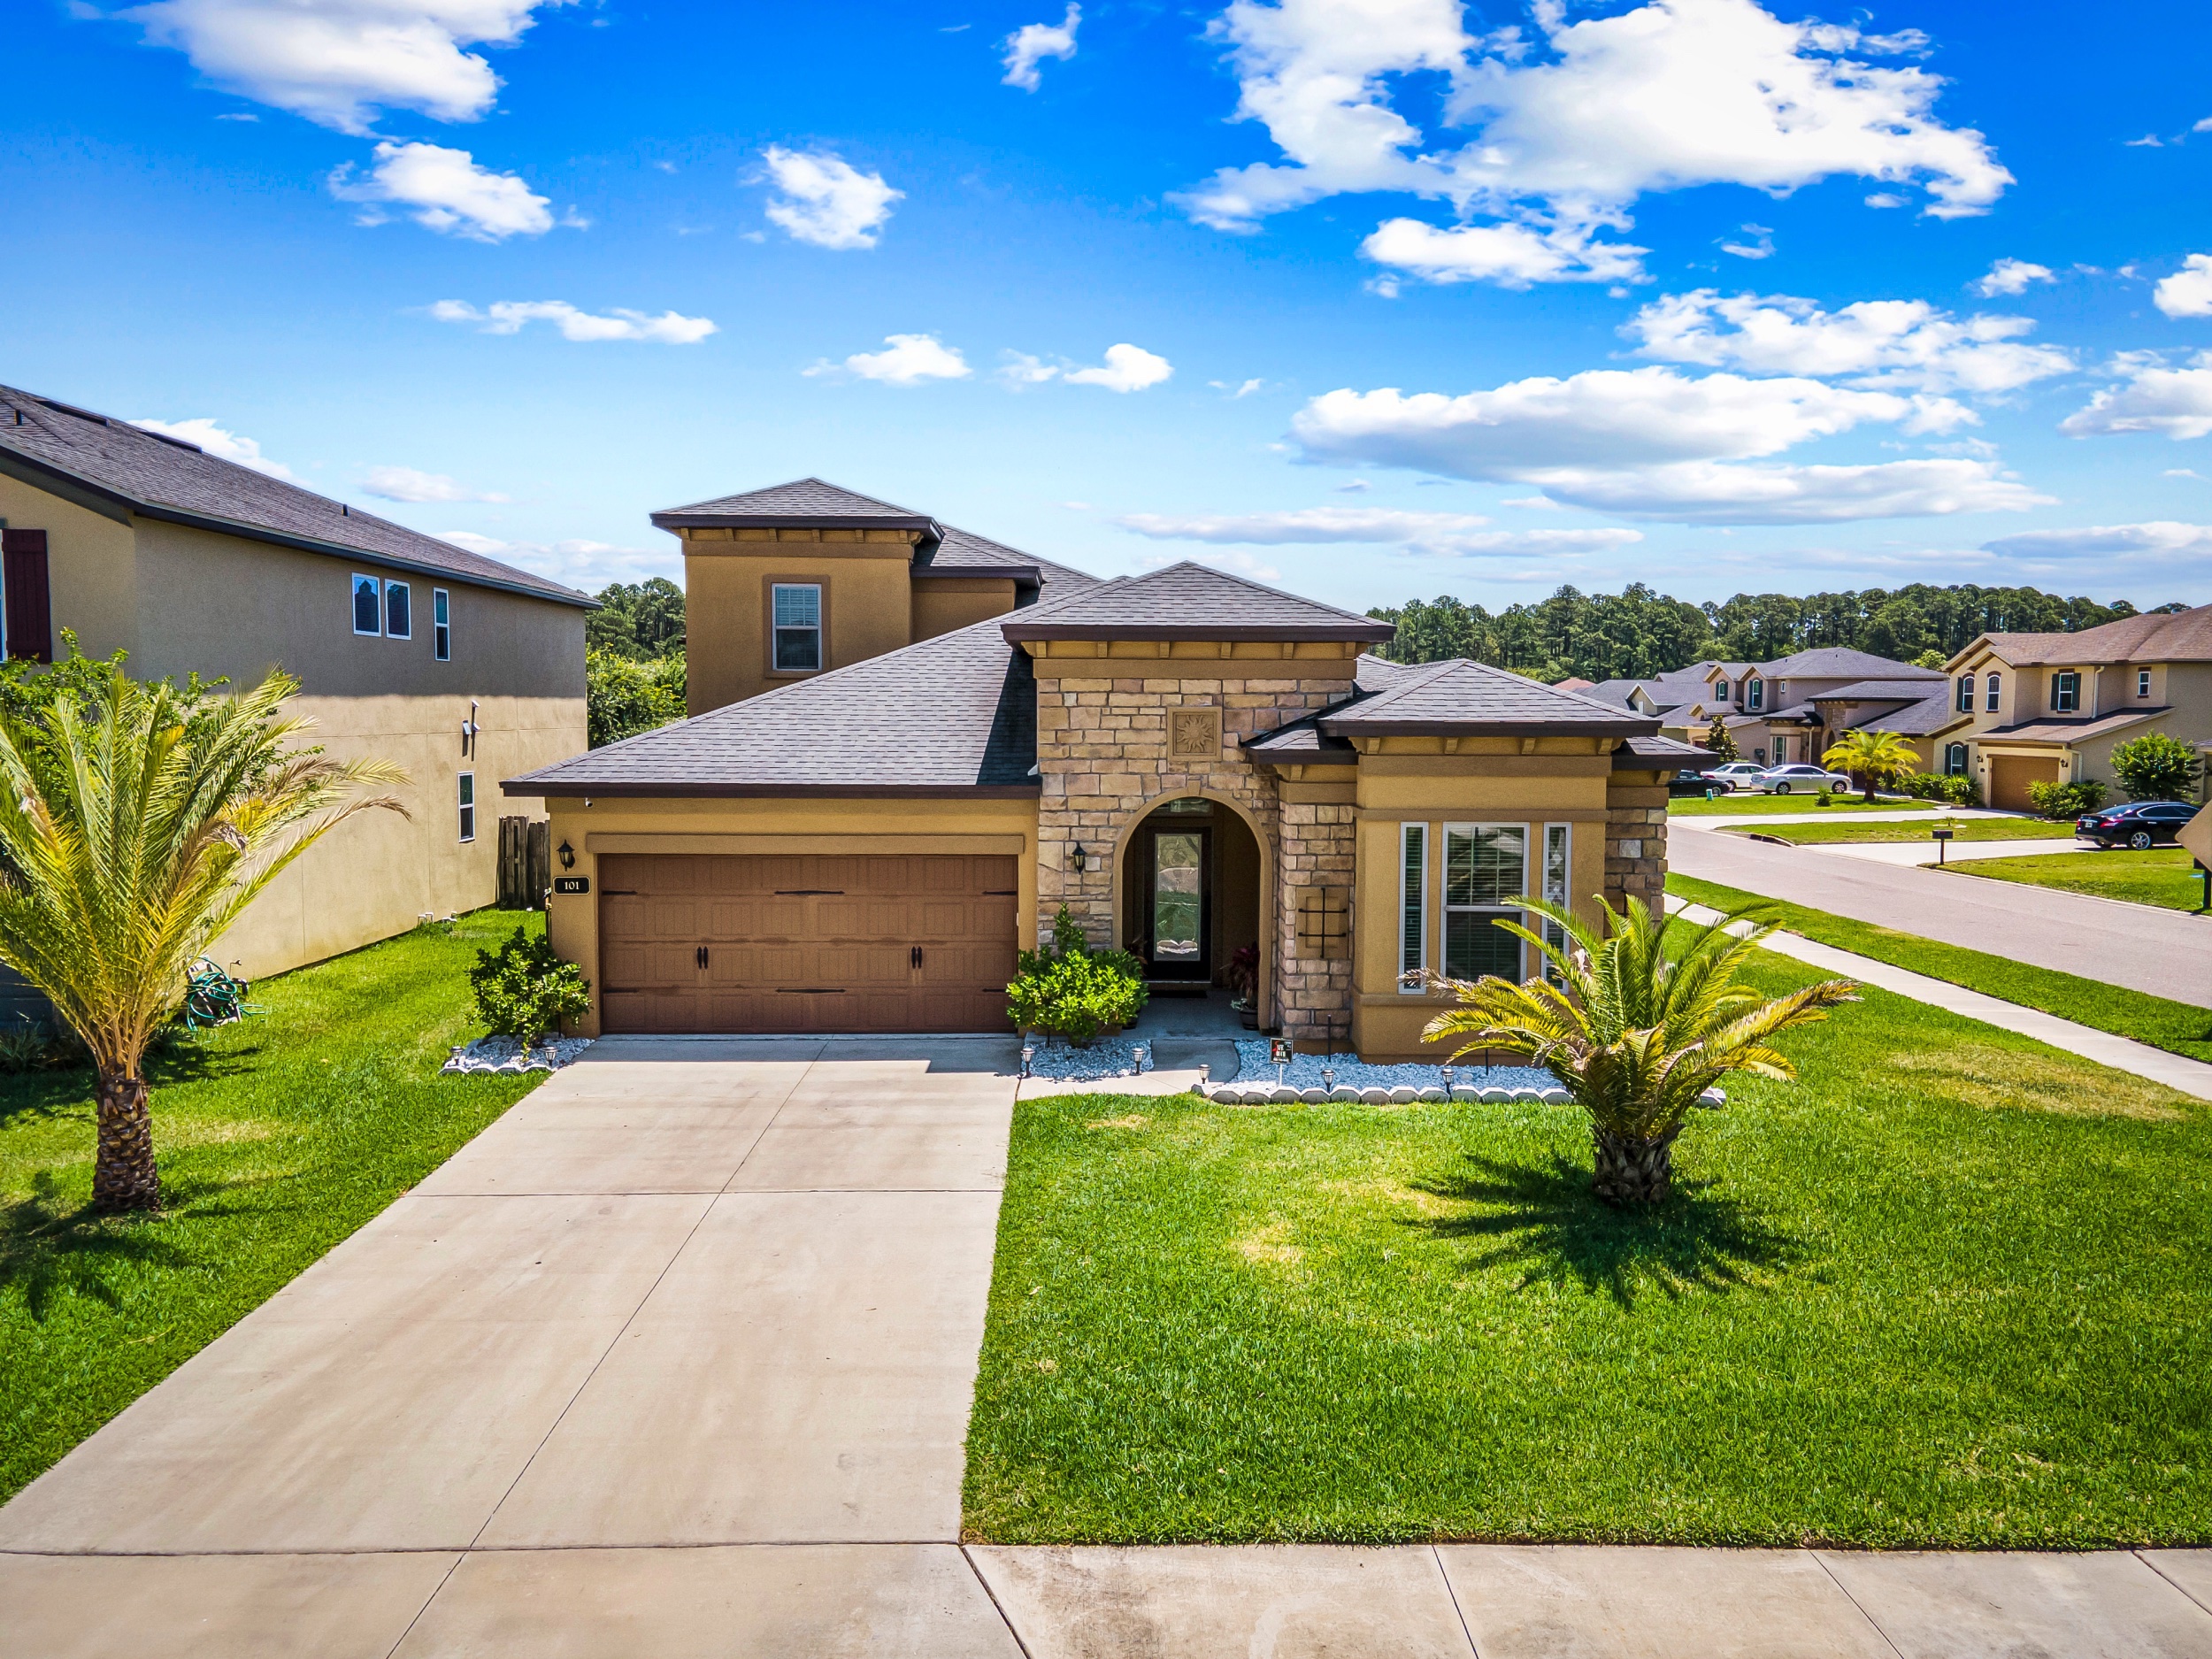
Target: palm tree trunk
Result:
[[1634, 1171], [123, 1172]]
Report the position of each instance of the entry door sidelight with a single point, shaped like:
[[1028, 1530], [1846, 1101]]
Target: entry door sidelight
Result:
[[1180, 904]]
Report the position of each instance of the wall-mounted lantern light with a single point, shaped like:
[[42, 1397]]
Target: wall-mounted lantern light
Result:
[[1081, 858], [568, 856]]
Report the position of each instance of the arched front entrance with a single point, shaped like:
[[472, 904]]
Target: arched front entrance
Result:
[[1189, 884]]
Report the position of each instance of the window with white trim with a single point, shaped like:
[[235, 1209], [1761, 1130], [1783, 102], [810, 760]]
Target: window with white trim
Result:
[[368, 605], [1755, 694], [2065, 692], [399, 611], [1954, 760], [2142, 682], [1966, 694], [1995, 685], [1558, 847], [440, 625], [1413, 898], [1720, 691], [798, 626], [1485, 868], [468, 806]]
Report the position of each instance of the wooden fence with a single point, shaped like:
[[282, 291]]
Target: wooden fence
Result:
[[526, 862]]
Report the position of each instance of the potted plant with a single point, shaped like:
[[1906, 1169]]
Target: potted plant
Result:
[[1244, 984]]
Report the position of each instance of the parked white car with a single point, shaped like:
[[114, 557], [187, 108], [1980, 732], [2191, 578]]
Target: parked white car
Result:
[[1798, 778], [1737, 774]]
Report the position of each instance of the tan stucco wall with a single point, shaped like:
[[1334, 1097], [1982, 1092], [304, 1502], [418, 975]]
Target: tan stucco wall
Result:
[[91, 567], [825, 825], [942, 604], [866, 580]]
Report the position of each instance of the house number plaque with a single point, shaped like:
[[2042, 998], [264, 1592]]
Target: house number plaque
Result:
[[572, 884]]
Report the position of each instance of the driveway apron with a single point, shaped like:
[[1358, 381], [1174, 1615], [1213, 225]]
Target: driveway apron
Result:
[[676, 1357]]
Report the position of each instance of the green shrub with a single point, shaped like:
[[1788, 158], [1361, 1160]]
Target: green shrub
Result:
[[623, 697], [1067, 990], [1936, 785], [525, 990], [2063, 800], [2156, 767]]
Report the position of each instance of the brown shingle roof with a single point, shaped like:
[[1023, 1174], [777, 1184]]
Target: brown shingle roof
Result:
[[2060, 732], [2181, 636], [954, 715], [108, 465], [801, 504], [965, 553], [1467, 697], [1190, 601]]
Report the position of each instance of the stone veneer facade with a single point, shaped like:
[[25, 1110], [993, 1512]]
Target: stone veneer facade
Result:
[[1103, 762], [1636, 845]]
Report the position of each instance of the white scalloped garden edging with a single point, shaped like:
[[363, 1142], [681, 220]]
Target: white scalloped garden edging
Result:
[[1271, 1094]]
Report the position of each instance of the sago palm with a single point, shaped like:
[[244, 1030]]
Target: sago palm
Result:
[[136, 824], [1870, 757], [1634, 1036]]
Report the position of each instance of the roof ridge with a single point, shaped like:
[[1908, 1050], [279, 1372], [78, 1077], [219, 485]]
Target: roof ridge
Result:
[[1245, 581], [824, 677]]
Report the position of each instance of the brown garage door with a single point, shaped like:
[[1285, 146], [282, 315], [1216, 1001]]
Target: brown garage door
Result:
[[2009, 776], [746, 943]]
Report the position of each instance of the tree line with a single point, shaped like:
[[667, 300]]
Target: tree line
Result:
[[633, 660], [1637, 633]]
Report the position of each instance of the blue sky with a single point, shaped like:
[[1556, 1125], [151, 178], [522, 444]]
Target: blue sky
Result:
[[1376, 298]]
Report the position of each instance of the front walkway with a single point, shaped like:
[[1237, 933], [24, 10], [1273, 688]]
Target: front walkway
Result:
[[675, 1360]]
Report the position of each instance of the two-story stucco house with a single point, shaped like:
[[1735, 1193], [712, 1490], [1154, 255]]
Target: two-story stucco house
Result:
[[2050, 708], [1791, 708], [910, 746], [408, 649]]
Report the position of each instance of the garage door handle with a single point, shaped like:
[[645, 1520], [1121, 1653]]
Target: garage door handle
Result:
[[917, 957], [702, 956]]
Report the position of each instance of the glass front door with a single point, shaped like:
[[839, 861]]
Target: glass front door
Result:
[[1177, 912]]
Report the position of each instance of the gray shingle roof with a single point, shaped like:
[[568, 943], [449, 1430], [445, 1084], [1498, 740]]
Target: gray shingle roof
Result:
[[954, 715], [2060, 732], [1912, 720], [1892, 690], [963, 553], [802, 504], [2183, 636], [77, 453], [1638, 752], [1190, 601], [1834, 662], [1468, 697]]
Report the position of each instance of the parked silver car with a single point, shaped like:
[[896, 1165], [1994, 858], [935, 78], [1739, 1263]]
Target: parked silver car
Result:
[[1797, 777]]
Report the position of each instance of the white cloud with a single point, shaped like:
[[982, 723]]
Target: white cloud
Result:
[[1651, 443], [2176, 403], [905, 360], [1033, 42], [404, 483], [2188, 291], [1127, 368], [338, 61], [1763, 249], [1021, 371], [2159, 540], [2010, 276], [1513, 256], [226, 445], [588, 566], [447, 191], [1572, 128], [1888, 198], [827, 201], [507, 316], [1455, 534], [2183, 472], [1874, 343], [1235, 564]]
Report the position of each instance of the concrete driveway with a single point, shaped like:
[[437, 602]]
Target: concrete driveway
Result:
[[674, 1358]]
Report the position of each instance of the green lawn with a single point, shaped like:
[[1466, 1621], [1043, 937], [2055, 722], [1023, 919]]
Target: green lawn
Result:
[[1762, 805], [1947, 1291], [1964, 829], [2179, 1027], [2165, 876], [275, 1140]]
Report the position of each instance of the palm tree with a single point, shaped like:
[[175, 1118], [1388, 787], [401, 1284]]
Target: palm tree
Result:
[[1634, 1037], [136, 822], [1870, 757]]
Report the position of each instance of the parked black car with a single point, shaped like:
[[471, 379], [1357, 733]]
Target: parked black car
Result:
[[1690, 781], [2139, 823]]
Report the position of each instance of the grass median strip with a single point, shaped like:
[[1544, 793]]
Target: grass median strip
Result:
[[1945, 1291], [2177, 1027], [277, 1138], [2165, 877], [1966, 829], [1766, 805]]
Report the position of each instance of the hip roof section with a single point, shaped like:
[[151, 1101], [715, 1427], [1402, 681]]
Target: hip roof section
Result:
[[2178, 636], [1189, 602]]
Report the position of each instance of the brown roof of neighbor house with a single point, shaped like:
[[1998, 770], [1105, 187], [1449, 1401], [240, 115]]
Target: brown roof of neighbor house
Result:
[[1463, 697], [1189, 602], [804, 503], [111, 468], [954, 715], [2180, 636], [1573, 682], [2065, 732]]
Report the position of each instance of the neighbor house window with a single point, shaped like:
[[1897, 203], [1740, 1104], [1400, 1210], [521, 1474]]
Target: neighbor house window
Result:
[[2142, 682], [1755, 694], [399, 618], [1781, 750], [798, 627], [2065, 692], [1995, 686], [440, 625], [1720, 691], [368, 605], [1966, 694], [1485, 868], [1954, 760], [1413, 888], [468, 806], [1556, 845]]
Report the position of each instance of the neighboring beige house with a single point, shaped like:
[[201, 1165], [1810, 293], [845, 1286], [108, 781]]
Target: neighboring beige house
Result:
[[883, 795], [2050, 708], [1791, 708], [458, 668]]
